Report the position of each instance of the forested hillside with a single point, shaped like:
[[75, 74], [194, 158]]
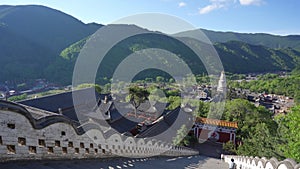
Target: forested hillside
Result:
[[31, 38], [268, 40], [236, 56], [40, 42]]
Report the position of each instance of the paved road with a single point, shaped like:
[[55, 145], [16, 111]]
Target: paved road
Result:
[[192, 162]]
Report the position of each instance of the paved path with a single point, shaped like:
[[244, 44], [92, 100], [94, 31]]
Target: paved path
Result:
[[192, 162]]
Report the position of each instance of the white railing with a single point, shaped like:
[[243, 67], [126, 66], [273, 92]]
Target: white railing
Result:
[[244, 162]]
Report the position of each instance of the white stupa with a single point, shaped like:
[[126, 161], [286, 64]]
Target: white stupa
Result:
[[222, 83]]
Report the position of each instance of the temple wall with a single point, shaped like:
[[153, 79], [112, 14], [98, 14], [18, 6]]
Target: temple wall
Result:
[[225, 134], [19, 140], [261, 163]]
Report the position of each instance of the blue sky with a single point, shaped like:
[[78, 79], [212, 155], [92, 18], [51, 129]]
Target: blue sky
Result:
[[268, 16]]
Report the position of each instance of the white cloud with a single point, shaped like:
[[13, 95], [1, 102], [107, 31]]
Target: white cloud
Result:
[[181, 4], [215, 4], [219, 4], [251, 2], [209, 8]]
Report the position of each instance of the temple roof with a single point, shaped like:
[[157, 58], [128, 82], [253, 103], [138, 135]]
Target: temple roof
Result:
[[217, 122]]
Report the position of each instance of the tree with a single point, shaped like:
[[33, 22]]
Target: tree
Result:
[[183, 138], [174, 102], [262, 142], [179, 138], [256, 128], [229, 147], [149, 80], [289, 126], [18, 98], [88, 85], [171, 80], [137, 96], [160, 79], [203, 109]]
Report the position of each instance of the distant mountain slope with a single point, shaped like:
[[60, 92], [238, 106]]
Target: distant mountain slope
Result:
[[240, 57], [124, 49], [272, 41], [236, 56], [44, 25], [32, 37], [21, 58], [40, 42]]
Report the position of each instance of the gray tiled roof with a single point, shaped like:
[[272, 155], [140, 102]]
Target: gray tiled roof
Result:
[[161, 125], [64, 101]]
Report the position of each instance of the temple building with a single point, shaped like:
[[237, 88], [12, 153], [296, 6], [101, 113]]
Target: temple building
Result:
[[214, 130]]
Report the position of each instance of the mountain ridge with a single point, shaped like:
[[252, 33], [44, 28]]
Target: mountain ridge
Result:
[[265, 39], [36, 42], [236, 56]]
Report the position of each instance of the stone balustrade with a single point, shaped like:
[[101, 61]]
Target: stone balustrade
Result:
[[244, 162], [23, 137]]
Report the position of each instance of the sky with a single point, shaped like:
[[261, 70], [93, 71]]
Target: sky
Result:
[[279, 17]]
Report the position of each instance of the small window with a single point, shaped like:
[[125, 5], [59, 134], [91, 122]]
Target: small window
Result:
[[1, 140], [103, 151], [50, 150], [11, 125], [32, 149], [81, 145], [99, 146], [42, 143], [87, 151], [22, 141], [113, 146], [76, 150], [64, 150], [57, 143], [63, 133], [116, 140], [11, 149], [70, 144], [95, 138], [91, 145], [96, 151]]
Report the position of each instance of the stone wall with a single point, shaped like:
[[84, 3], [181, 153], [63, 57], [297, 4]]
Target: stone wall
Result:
[[24, 137], [261, 163]]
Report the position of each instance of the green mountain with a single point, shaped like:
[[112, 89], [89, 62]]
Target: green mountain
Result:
[[32, 37], [123, 49], [40, 42], [241, 57], [21, 58], [45, 26], [271, 41], [236, 56]]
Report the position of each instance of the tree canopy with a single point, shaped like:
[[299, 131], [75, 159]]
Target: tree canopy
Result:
[[289, 126], [137, 95]]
